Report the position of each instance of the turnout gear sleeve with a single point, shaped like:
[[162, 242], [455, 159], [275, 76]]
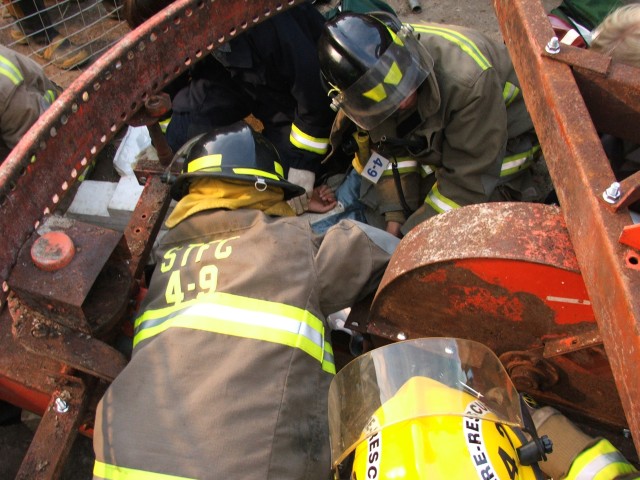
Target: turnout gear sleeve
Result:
[[345, 275], [25, 93], [312, 118], [577, 455], [473, 147]]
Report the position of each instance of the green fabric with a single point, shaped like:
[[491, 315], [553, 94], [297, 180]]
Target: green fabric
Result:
[[359, 6], [588, 13]]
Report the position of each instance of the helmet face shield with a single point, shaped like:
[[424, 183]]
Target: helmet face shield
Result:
[[427, 378], [397, 74]]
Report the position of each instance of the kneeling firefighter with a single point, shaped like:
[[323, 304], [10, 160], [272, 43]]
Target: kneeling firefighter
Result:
[[232, 355], [431, 408]]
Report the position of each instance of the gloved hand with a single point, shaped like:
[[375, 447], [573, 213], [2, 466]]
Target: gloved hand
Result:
[[305, 179], [568, 441]]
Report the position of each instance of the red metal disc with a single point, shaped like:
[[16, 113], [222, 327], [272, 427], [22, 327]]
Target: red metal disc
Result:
[[52, 251]]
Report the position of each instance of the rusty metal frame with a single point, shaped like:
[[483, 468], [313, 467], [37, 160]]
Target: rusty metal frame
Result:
[[43, 168], [580, 172]]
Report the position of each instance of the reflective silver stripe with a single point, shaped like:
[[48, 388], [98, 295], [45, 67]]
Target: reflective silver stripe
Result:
[[439, 202], [300, 329], [328, 360], [308, 142], [591, 469], [249, 317], [510, 93], [518, 162], [245, 317], [428, 169], [513, 163], [9, 70], [411, 164], [403, 164]]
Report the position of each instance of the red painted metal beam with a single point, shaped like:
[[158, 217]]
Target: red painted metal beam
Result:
[[580, 172]]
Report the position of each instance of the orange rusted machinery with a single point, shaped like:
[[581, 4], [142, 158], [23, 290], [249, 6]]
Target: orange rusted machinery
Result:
[[553, 291], [58, 327]]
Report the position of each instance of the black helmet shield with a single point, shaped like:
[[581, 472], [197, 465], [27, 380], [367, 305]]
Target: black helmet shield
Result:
[[371, 68]]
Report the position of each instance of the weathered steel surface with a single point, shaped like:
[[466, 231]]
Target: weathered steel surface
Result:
[[504, 274], [56, 431], [581, 172], [26, 380], [42, 169], [146, 221], [68, 136], [91, 292], [40, 335]]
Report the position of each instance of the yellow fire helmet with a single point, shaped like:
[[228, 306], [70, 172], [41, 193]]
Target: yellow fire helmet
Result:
[[430, 408]]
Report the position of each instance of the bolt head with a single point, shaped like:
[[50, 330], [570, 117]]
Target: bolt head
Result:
[[553, 46], [612, 194], [61, 406]]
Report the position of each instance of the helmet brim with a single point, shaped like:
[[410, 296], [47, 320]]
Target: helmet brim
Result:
[[180, 188]]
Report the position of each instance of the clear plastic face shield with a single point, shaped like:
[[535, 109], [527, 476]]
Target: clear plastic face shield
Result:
[[177, 162], [397, 74], [464, 378]]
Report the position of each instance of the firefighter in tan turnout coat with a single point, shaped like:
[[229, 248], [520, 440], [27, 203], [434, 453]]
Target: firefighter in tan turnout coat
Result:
[[232, 356]]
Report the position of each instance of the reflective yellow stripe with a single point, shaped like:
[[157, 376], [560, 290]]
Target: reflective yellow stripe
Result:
[[465, 44], [328, 362], [404, 166], [206, 162], [164, 124], [9, 70], [304, 141], [113, 472], [515, 163], [256, 172], [510, 93], [213, 163], [231, 315], [50, 96], [600, 462], [439, 202], [377, 93], [427, 170]]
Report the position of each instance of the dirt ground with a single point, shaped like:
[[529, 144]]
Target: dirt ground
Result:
[[15, 439]]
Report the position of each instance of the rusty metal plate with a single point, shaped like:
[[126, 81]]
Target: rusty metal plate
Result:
[[46, 163], [581, 172], [89, 293], [56, 431], [503, 274], [40, 335]]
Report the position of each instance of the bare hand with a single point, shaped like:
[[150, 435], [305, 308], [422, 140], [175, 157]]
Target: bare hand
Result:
[[394, 228], [322, 199]]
